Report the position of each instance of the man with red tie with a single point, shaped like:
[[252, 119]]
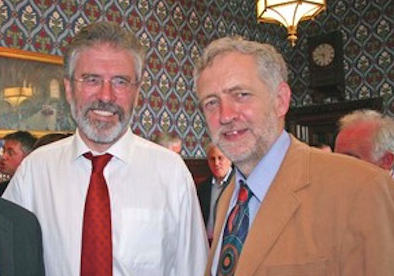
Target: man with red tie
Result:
[[104, 197]]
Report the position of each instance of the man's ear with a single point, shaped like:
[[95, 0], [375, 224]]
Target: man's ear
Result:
[[387, 160], [137, 96], [283, 99], [68, 89]]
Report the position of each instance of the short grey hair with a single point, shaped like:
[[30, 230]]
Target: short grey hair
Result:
[[104, 33], [383, 138], [270, 63], [167, 139]]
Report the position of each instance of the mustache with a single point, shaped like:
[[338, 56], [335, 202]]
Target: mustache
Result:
[[230, 127], [103, 106]]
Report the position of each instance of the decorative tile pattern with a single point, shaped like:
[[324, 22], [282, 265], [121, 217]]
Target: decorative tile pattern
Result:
[[368, 36], [173, 33]]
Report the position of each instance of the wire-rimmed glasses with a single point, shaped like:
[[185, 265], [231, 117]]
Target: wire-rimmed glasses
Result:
[[94, 83]]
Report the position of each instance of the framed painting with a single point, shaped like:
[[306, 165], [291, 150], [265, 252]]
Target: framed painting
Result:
[[32, 93]]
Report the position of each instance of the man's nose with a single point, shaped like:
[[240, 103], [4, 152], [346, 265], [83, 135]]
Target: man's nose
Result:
[[228, 111], [106, 92]]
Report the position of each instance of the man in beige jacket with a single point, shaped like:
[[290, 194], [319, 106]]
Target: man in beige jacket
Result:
[[308, 212]]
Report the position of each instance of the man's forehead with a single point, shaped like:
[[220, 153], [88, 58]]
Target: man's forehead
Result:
[[12, 144]]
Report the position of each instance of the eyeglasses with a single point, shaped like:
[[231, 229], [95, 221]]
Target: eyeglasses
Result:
[[95, 83]]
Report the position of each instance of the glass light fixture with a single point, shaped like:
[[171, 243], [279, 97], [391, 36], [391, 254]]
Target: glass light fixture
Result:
[[16, 95], [288, 13]]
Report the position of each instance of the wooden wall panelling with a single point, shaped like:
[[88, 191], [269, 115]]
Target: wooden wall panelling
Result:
[[318, 124]]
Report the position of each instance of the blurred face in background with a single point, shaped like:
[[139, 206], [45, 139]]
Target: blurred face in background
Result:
[[11, 158], [218, 163], [356, 141], [176, 147]]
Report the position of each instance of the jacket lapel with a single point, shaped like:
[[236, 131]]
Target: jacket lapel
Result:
[[221, 210], [276, 210], [6, 245]]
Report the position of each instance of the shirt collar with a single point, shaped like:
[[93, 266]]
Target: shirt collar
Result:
[[120, 149]]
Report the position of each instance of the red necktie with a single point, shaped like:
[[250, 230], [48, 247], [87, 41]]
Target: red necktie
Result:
[[96, 255]]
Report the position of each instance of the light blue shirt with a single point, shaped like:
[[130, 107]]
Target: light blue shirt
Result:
[[259, 181]]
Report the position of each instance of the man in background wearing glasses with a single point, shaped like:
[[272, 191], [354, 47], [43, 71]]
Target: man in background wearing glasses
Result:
[[157, 227]]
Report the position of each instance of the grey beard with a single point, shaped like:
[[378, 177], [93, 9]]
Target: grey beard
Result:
[[98, 131]]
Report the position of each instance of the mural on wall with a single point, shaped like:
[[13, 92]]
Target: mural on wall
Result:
[[174, 32], [32, 93]]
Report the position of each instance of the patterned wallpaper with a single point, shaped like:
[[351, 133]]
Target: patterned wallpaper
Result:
[[367, 29], [174, 32]]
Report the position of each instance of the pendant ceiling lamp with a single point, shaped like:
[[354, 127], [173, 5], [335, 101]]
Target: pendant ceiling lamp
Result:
[[288, 13], [16, 95]]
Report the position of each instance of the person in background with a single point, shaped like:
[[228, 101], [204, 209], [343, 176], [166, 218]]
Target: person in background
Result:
[[367, 135], [17, 146], [210, 190], [49, 138], [110, 202], [20, 242], [169, 141], [323, 147], [293, 209]]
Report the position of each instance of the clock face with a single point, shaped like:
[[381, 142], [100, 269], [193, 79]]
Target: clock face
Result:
[[323, 54]]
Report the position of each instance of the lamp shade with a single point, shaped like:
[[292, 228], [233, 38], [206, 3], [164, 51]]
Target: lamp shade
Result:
[[288, 13], [16, 95]]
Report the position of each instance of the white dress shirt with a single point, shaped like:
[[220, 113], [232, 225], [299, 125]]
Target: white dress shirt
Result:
[[156, 218]]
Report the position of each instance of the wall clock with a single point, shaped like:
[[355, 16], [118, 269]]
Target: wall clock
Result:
[[325, 55]]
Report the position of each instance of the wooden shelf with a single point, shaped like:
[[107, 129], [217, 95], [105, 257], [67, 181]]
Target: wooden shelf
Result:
[[318, 124]]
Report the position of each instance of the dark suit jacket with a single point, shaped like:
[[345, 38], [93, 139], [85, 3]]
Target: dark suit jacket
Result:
[[20, 242], [3, 186], [204, 195], [324, 214]]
